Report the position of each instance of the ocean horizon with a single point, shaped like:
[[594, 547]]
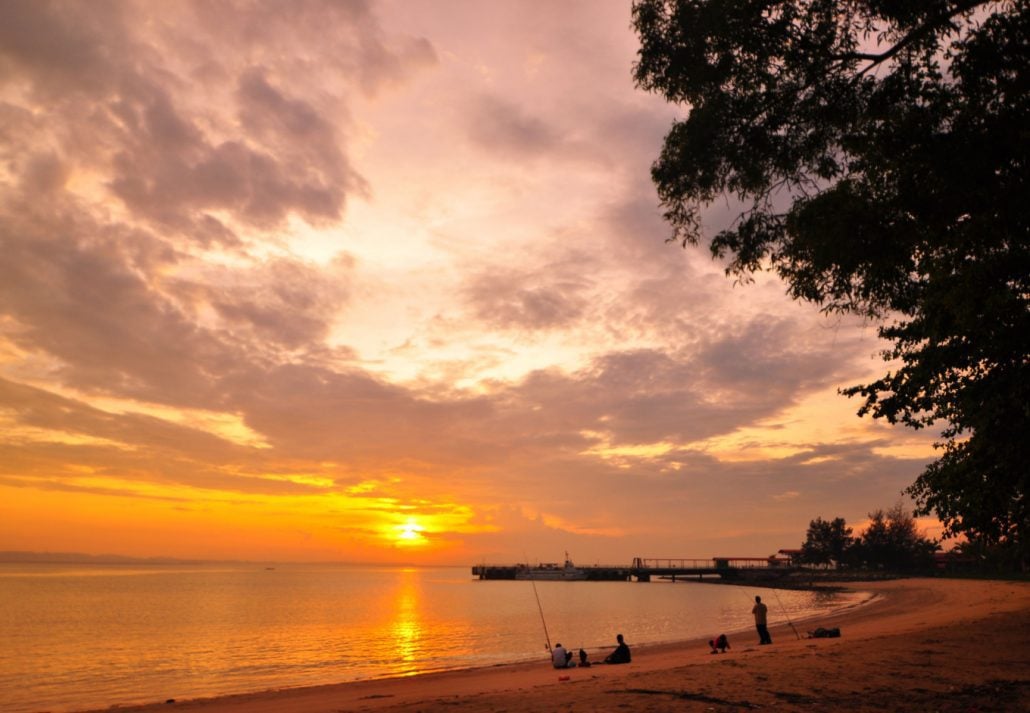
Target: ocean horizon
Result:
[[87, 635]]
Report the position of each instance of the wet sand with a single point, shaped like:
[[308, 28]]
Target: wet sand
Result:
[[919, 645]]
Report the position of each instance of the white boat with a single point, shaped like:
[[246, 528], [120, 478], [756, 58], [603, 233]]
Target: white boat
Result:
[[567, 572]]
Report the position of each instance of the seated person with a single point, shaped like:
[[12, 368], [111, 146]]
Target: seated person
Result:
[[560, 658], [621, 653]]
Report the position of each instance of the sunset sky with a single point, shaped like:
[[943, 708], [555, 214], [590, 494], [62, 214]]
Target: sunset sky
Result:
[[388, 281]]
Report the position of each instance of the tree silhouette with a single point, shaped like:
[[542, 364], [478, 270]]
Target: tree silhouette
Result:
[[826, 542], [892, 542], [881, 153]]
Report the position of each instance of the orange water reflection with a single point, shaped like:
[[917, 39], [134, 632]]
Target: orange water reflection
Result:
[[408, 626]]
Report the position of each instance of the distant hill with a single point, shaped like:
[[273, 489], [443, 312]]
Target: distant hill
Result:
[[14, 557], [81, 558]]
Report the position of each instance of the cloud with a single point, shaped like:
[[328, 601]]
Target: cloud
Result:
[[183, 125], [66, 487], [764, 359], [252, 185], [532, 300], [63, 47], [44, 174], [75, 290], [287, 254], [502, 126], [180, 112], [310, 39], [280, 301]]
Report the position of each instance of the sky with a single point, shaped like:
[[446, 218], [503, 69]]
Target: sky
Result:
[[387, 281]]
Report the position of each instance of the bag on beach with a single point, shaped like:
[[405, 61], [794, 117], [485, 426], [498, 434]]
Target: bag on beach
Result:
[[822, 633]]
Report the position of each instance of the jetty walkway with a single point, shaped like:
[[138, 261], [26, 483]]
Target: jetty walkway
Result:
[[644, 569]]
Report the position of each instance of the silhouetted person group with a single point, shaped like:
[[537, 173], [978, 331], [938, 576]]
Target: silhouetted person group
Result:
[[562, 658]]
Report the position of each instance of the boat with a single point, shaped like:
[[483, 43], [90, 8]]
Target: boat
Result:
[[567, 572]]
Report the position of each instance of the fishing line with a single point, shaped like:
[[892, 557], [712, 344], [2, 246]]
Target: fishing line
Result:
[[540, 608], [542, 620], [787, 616], [784, 610]]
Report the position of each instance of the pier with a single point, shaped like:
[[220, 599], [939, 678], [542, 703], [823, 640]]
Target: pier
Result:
[[644, 569]]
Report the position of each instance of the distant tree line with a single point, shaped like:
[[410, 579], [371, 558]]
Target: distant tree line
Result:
[[891, 542]]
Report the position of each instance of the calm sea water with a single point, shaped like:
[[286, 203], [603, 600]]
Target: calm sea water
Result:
[[91, 636]]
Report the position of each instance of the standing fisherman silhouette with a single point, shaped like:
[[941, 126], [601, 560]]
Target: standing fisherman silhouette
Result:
[[760, 611]]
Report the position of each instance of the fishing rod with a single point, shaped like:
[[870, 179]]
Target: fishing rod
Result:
[[542, 621], [784, 610], [540, 609], [787, 616]]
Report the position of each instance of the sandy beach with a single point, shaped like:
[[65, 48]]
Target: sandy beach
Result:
[[918, 645]]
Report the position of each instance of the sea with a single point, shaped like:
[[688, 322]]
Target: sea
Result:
[[87, 636]]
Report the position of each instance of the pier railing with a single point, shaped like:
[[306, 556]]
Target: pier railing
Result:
[[644, 568], [672, 563]]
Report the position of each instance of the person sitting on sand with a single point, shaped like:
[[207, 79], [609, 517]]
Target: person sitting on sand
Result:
[[621, 653], [560, 658], [719, 644], [583, 663]]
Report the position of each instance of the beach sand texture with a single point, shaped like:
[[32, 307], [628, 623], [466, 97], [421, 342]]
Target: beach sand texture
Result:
[[920, 645]]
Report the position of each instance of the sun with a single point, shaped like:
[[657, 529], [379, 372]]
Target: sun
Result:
[[410, 533]]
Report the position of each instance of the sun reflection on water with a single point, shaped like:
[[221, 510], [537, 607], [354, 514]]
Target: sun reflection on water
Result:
[[407, 627]]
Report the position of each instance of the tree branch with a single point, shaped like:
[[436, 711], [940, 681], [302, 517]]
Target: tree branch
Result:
[[876, 59]]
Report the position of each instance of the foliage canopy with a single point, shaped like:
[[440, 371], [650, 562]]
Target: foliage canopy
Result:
[[891, 541], [826, 542], [880, 149]]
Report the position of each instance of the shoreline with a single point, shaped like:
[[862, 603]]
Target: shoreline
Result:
[[915, 644]]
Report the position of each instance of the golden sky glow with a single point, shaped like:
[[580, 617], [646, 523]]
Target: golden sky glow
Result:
[[388, 281]]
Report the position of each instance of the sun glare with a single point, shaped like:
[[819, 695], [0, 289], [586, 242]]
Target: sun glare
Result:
[[410, 533]]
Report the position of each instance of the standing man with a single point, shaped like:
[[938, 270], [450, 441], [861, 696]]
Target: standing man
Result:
[[759, 610]]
